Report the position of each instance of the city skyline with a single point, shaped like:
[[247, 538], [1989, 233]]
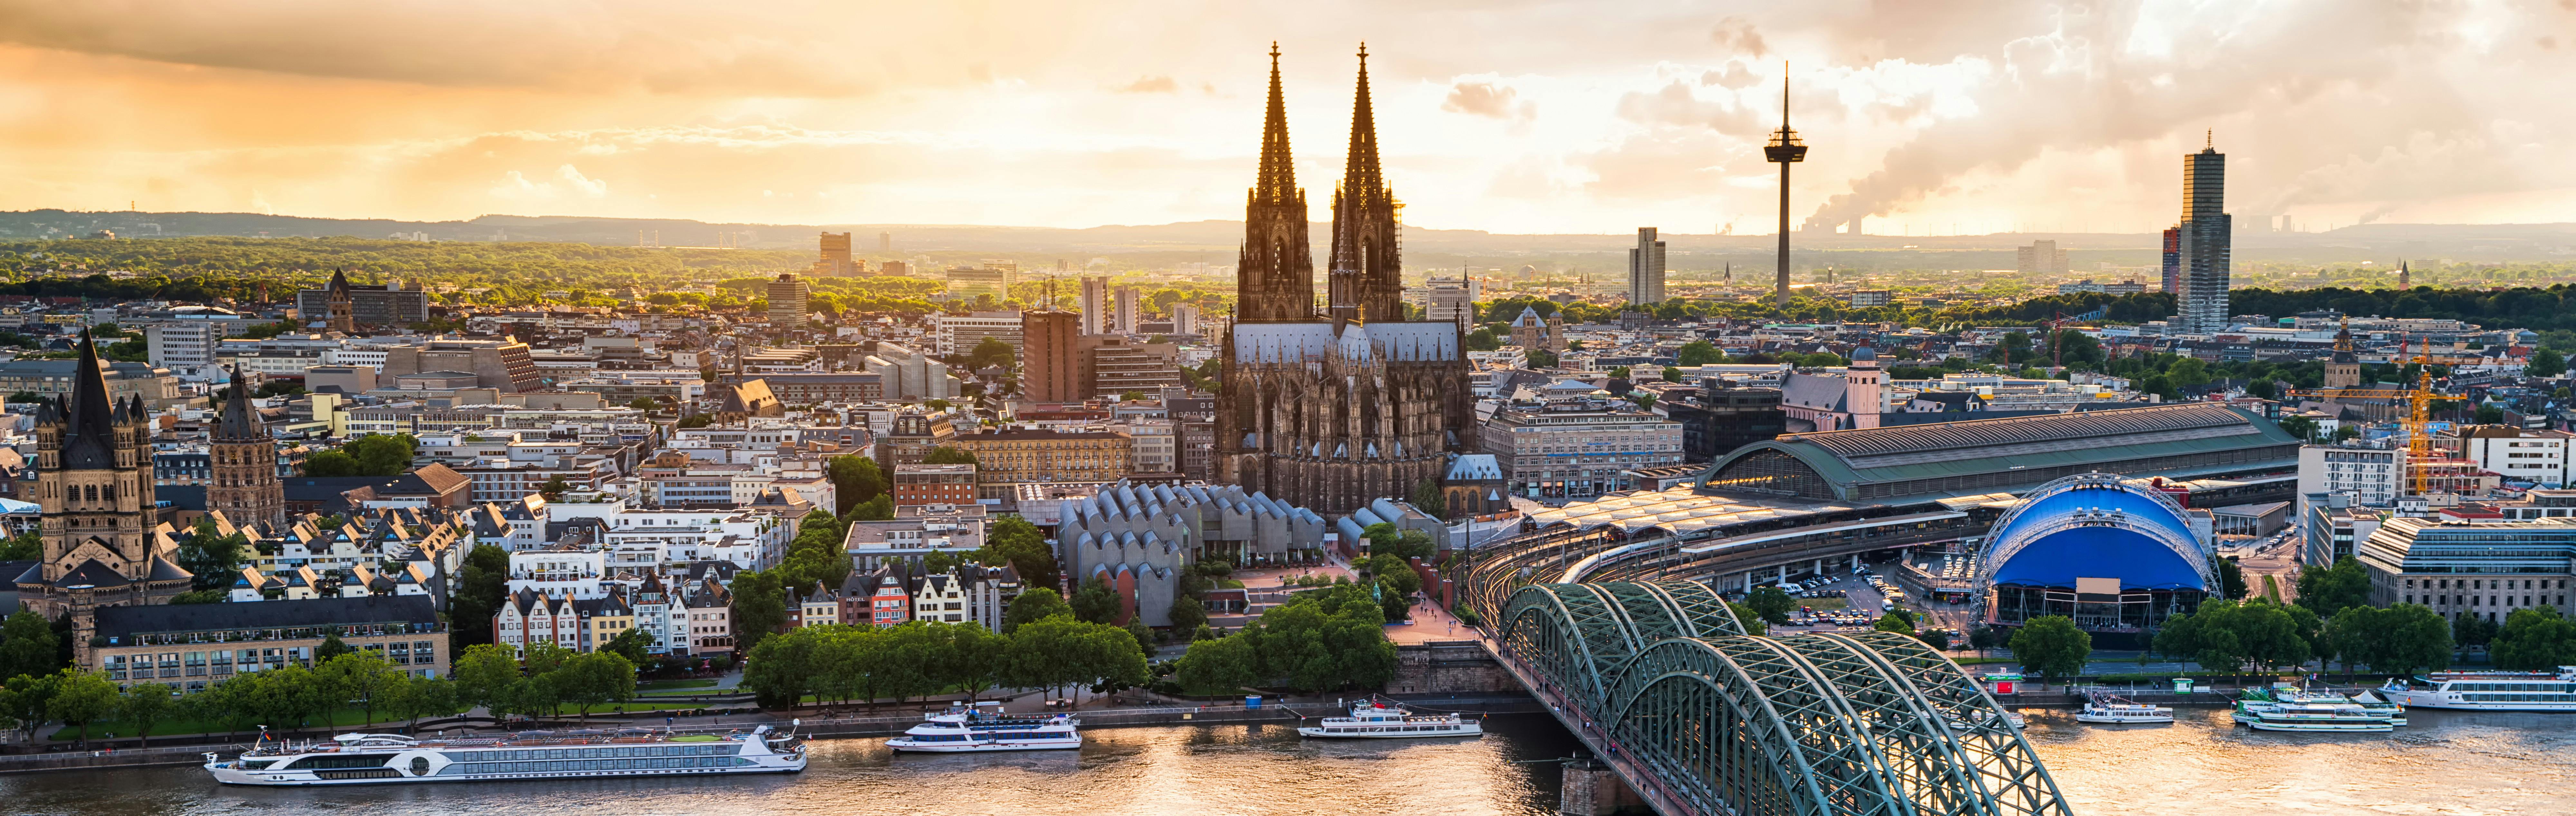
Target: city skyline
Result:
[[2016, 116]]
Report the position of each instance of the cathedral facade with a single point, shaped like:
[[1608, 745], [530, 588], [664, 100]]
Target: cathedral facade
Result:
[[94, 485], [1330, 410]]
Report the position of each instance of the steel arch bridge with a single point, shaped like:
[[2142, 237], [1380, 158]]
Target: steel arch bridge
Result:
[[1729, 723]]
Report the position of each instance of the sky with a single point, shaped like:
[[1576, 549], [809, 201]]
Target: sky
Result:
[[1927, 117]]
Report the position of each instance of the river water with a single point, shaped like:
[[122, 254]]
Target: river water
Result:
[[2453, 764]]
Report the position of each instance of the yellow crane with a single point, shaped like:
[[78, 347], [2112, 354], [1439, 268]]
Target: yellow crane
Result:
[[2419, 411]]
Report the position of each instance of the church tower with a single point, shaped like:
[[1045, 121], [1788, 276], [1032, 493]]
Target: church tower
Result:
[[2343, 370], [1275, 273], [1366, 281], [245, 486], [343, 317], [94, 490]]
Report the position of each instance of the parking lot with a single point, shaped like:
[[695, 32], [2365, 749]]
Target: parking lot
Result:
[[1863, 602]]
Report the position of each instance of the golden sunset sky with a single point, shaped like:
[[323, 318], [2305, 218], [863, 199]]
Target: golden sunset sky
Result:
[[1925, 116]]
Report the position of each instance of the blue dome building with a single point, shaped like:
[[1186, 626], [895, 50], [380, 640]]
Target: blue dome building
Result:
[[2112, 555]]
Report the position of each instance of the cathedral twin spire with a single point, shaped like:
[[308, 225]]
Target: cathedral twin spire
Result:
[[1275, 278]]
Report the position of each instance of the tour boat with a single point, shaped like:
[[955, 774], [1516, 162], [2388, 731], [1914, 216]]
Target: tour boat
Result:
[[372, 759], [972, 729], [2257, 700], [2014, 717], [1374, 720], [2115, 711], [2487, 690], [2312, 717]]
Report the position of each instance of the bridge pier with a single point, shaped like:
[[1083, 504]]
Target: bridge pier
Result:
[[1595, 790]]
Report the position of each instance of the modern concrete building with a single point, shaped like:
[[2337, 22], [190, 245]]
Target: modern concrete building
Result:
[[2206, 243], [787, 296], [960, 334], [1646, 269], [2374, 477], [2042, 257], [1051, 362], [183, 345], [504, 364], [2477, 568]]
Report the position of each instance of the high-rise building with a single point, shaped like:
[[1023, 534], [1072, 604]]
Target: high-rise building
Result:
[[1095, 305], [1051, 367], [242, 459], [885, 242], [1185, 318], [836, 256], [1276, 270], [1646, 269], [787, 301], [2042, 257], [2172, 261], [2206, 236], [1124, 320], [185, 344]]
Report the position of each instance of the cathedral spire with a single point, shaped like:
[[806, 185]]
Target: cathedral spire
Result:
[[1278, 179], [1361, 176]]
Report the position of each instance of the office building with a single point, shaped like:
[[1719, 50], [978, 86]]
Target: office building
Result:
[[390, 304], [907, 375], [1185, 318], [1144, 368], [1125, 318], [2374, 477], [2205, 237], [1051, 365], [894, 269], [185, 345], [1719, 417], [2172, 261], [177, 645], [2517, 454], [2484, 569], [960, 334], [1095, 306], [503, 364], [836, 258], [787, 297], [1646, 269], [992, 278], [2042, 257], [792, 387], [1450, 300], [1577, 448], [885, 244]]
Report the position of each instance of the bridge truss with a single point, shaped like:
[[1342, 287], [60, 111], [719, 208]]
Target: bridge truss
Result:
[[1730, 723]]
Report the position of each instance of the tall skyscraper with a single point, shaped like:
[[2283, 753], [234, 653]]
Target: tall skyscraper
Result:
[[2172, 261], [1276, 270], [1784, 150], [2042, 257], [1646, 269], [1095, 305], [2206, 236], [836, 255], [885, 242], [1366, 282], [1051, 368]]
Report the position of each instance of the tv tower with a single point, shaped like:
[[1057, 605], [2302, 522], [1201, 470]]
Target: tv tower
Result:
[[1784, 150]]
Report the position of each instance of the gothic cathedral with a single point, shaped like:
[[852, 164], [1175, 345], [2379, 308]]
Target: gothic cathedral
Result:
[[94, 485], [1333, 410]]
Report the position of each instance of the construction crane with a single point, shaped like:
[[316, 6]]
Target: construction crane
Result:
[[2057, 325], [2419, 411]]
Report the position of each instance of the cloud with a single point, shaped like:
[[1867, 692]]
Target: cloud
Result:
[[1152, 84], [1737, 36], [1488, 99]]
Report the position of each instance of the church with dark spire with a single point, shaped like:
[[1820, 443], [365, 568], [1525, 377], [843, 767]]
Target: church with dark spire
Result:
[[1332, 410], [94, 488]]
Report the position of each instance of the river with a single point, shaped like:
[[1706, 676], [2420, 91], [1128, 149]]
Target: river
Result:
[[2458, 764]]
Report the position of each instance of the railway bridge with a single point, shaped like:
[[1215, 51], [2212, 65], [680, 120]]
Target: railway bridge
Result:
[[1665, 686]]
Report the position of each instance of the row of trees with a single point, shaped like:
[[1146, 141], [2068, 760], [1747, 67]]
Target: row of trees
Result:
[[283, 699], [550, 678], [1321, 640], [921, 658]]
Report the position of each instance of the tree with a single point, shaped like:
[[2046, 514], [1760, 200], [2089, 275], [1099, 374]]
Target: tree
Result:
[[631, 644], [945, 455], [1188, 613], [1747, 618], [2231, 579], [26, 546], [595, 679], [1221, 664], [146, 705], [28, 646], [759, 607], [362, 678], [2231, 636], [80, 698], [481, 586], [1032, 606], [855, 479], [28, 697], [2535, 638], [1014, 541], [1095, 602], [2299, 426], [2545, 362], [555, 487], [425, 696], [2488, 415], [1428, 498], [483, 675], [1698, 353], [1896, 620], [1983, 638], [331, 647], [880, 508], [214, 558], [784, 669], [1143, 634], [2331, 590], [2052, 647], [1771, 603], [2397, 640]]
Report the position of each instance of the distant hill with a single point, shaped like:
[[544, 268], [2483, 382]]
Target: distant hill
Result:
[[1214, 241]]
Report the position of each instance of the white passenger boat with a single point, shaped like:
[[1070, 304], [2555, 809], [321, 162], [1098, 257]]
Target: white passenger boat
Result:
[[2312, 717], [374, 759], [985, 727], [2487, 691], [1374, 720], [2014, 717], [2116, 711]]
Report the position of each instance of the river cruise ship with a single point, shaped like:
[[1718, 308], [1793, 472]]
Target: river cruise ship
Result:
[[375, 759], [1374, 720], [2487, 691], [2312, 717], [985, 727], [2116, 711]]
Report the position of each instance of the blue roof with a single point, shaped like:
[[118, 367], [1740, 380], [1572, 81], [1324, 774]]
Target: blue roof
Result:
[[2140, 509], [2099, 552]]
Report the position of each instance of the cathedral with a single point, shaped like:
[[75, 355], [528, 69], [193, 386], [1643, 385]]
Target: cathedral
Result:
[[1330, 410], [94, 485], [244, 486]]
